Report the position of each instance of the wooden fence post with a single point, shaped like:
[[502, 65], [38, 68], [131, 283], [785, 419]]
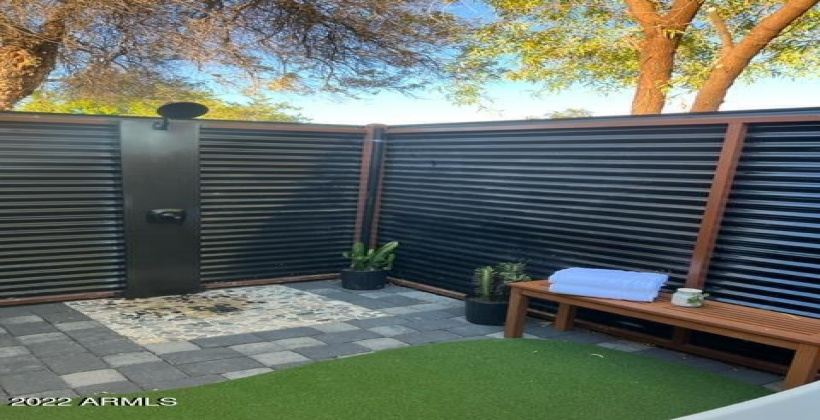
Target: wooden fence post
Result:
[[716, 204]]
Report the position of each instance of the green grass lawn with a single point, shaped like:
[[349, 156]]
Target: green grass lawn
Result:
[[486, 379]]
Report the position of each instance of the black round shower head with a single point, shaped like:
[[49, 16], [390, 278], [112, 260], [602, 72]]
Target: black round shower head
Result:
[[182, 110]]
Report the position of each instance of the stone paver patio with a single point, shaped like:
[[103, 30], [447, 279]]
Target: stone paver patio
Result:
[[54, 350]]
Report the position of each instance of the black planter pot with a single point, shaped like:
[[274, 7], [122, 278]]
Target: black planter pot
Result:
[[364, 280], [485, 312]]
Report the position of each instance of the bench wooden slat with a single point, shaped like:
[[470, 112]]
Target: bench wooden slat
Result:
[[773, 328]]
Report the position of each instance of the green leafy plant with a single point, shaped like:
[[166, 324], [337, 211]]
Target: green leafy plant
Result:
[[491, 282], [697, 299], [512, 272], [371, 259]]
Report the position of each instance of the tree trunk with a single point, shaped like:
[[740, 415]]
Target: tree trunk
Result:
[[23, 70], [657, 63], [662, 34], [27, 56], [736, 58]]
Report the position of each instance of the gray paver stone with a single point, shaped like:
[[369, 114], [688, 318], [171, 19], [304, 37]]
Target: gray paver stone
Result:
[[148, 375], [31, 382], [203, 355], [65, 316], [434, 324], [379, 322], [13, 351], [60, 393], [256, 348], [287, 333], [382, 343], [226, 340], [30, 328], [246, 373], [114, 347], [121, 387], [398, 300], [543, 330], [23, 319], [279, 358], [19, 364], [375, 304], [13, 311], [78, 325], [55, 348], [391, 330], [42, 338], [8, 341], [473, 330], [336, 327], [584, 337], [73, 362], [299, 342], [427, 337], [50, 308], [346, 336], [625, 346], [93, 377], [754, 377], [171, 347], [212, 367], [332, 351], [125, 359], [94, 336], [428, 315], [187, 382]]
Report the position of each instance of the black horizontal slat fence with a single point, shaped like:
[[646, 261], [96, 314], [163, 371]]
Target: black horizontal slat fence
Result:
[[60, 209], [768, 250], [624, 198], [281, 201], [276, 203]]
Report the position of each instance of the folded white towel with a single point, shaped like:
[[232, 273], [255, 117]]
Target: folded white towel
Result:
[[571, 289], [610, 279], [625, 285]]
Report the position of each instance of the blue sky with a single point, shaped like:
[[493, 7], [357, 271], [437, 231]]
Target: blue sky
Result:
[[513, 101]]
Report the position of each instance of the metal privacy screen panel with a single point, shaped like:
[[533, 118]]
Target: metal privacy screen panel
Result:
[[218, 312]]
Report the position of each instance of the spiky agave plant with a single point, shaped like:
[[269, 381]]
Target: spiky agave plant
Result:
[[512, 272], [372, 259]]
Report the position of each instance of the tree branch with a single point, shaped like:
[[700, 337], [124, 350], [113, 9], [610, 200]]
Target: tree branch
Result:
[[644, 12], [731, 65], [722, 30]]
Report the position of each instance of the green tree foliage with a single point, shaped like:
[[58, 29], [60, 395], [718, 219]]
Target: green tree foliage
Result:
[[258, 109], [564, 113], [570, 113], [330, 45], [656, 46]]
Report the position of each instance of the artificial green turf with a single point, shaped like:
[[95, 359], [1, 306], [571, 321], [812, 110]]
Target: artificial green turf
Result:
[[481, 379]]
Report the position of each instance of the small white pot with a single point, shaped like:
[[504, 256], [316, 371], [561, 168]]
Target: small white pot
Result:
[[691, 298]]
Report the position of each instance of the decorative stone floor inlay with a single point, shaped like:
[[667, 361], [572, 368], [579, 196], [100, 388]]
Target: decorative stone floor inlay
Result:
[[218, 312]]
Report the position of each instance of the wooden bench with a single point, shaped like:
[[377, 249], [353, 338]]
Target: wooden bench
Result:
[[800, 334]]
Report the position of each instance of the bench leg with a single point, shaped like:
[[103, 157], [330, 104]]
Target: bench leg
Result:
[[516, 315], [804, 366], [565, 318], [681, 336]]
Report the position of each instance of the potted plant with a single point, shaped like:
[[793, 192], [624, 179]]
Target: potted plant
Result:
[[368, 268], [488, 305]]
